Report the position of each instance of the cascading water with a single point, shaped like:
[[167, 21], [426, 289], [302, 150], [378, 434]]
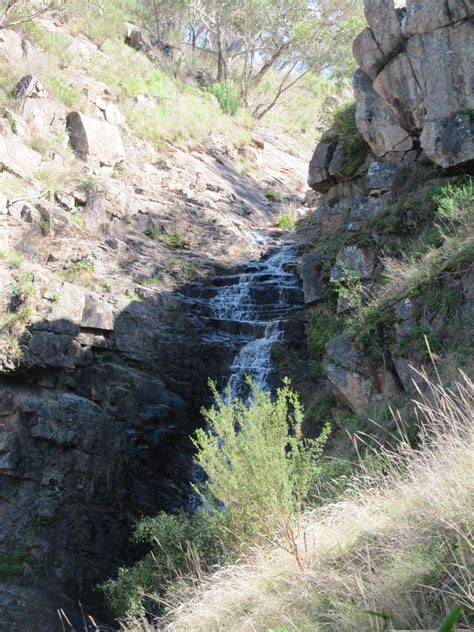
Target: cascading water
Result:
[[258, 301], [245, 312]]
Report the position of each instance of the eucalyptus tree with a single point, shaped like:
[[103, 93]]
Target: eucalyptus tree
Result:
[[15, 12], [293, 37]]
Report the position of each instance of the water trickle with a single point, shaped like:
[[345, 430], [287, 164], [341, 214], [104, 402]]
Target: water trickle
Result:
[[260, 300]]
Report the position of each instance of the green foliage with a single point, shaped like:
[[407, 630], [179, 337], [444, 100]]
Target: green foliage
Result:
[[106, 285], [454, 203], [227, 96], [11, 564], [100, 21], [11, 258], [172, 240], [259, 471], [40, 522], [178, 541], [272, 195], [348, 287], [65, 93], [322, 327], [444, 242], [79, 221], [153, 280], [51, 41], [451, 619], [19, 318], [286, 222], [258, 464], [25, 286], [344, 129], [76, 269]]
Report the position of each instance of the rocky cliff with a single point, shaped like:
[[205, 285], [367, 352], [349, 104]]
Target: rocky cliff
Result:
[[387, 265]]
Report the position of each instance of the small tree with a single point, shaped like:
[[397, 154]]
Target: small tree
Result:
[[259, 467], [14, 12]]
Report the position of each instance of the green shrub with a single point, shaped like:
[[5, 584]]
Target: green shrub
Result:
[[65, 93], [346, 132], [172, 240], [259, 467], [12, 564], [286, 221], [179, 541], [227, 96], [272, 195], [323, 325]]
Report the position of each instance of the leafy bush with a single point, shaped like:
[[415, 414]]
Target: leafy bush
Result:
[[258, 465], [286, 221], [179, 542], [227, 96]]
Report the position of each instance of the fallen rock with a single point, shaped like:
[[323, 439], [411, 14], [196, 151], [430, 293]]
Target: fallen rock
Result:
[[136, 38], [354, 260], [365, 207], [95, 139]]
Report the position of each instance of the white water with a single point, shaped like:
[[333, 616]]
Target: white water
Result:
[[262, 296]]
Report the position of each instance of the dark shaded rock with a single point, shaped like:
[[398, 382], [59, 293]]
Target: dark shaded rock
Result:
[[30, 609], [52, 350], [314, 287], [29, 86], [319, 177]]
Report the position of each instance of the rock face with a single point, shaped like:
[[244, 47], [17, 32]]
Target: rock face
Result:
[[16, 157], [414, 88], [354, 379], [98, 140]]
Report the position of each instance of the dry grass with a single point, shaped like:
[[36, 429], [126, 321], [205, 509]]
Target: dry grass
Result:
[[397, 545]]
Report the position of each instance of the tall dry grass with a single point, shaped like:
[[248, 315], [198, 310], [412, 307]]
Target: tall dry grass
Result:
[[394, 553]]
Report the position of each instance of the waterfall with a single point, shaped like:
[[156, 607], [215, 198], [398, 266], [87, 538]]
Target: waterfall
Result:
[[258, 301]]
